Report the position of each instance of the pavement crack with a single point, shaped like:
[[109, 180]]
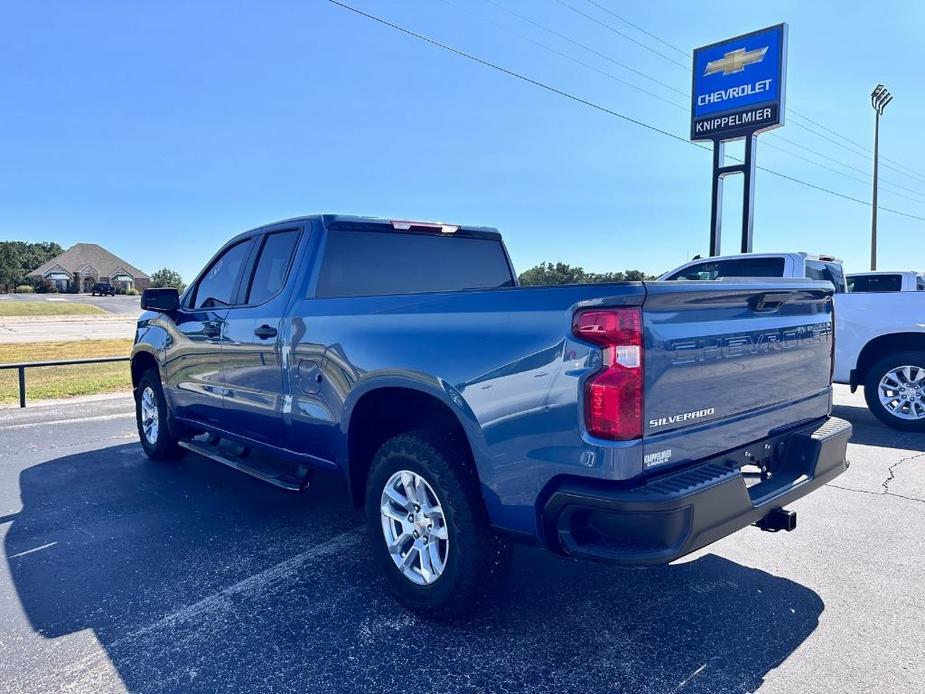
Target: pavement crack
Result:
[[892, 471], [873, 493]]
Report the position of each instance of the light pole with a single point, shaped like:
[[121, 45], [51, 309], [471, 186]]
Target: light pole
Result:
[[879, 98]]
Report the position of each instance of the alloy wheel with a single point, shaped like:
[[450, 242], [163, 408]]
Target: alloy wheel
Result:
[[902, 392], [149, 415], [414, 527]]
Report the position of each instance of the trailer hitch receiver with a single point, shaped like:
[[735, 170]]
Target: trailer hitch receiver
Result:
[[778, 519]]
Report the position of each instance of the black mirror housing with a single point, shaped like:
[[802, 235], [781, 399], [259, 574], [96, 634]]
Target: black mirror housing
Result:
[[161, 299]]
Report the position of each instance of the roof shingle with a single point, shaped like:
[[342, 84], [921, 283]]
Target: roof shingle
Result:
[[80, 255]]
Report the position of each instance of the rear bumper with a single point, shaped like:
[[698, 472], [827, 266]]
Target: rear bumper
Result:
[[678, 512]]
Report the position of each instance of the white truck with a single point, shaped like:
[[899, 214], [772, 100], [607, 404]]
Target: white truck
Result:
[[886, 281], [879, 335]]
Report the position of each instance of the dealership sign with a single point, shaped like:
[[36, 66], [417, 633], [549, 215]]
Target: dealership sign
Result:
[[739, 85]]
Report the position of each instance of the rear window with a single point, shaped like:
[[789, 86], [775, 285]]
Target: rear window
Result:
[[370, 263], [827, 272], [875, 283], [734, 267]]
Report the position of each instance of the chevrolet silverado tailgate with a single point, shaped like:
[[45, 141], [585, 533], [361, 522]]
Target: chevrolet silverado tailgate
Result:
[[731, 362]]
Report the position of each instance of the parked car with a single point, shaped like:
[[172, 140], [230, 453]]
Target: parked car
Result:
[[629, 422], [879, 337], [103, 288], [883, 281]]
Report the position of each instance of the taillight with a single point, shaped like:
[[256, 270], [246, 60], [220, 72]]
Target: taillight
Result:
[[613, 395]]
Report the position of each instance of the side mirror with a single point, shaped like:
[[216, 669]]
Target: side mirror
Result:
[[162, 299]]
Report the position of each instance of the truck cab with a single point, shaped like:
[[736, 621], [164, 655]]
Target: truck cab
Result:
[[819, 267]]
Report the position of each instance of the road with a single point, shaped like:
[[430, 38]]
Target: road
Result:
[[119, 305], [122, 312], [122, 574]]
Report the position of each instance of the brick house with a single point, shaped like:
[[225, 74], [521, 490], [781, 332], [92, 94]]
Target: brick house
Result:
[[84, 264]]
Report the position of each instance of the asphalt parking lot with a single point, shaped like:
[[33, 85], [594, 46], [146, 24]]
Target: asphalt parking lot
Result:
[[121, 574]]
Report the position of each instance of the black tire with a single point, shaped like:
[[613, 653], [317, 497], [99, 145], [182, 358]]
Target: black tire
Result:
[[164, 445], [476, 556], [872, 387]]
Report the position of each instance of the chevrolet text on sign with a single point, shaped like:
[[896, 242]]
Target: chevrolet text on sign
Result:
[[739, 85]]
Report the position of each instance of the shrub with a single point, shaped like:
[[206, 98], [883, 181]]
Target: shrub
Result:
[[132, 292], [25, 289]]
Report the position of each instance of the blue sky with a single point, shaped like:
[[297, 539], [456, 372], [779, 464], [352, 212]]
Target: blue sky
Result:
[[161, 129]]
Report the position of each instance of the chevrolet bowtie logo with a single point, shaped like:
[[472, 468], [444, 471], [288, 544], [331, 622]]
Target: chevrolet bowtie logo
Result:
[[735, 61]]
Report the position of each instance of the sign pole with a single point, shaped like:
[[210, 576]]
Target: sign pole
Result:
[[748, 193], [738, 91], [716, 209]]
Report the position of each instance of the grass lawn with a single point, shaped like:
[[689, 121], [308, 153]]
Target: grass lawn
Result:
[[48, 308], [65, 381]]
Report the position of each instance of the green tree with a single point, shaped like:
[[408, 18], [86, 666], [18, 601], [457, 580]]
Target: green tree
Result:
[[550, 274], [165, 277], [9, 268], [19, 258], [546, 274]]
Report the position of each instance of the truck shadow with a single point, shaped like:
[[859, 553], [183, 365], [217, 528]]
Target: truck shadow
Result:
[[193, 577], [870, 431]]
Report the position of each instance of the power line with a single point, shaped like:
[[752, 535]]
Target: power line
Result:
[[593, 105], [620, 33], [863, 172], [551, 31], [686, 54], [573, 59], [586, 47], [896, 166], [867, 150]]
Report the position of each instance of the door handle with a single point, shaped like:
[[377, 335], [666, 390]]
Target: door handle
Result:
[[265, 332], [212, 329]]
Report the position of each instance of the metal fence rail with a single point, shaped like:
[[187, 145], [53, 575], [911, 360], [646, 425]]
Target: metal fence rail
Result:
[[22, 366]]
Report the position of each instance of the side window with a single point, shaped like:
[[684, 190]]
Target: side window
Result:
[[273, 265], [760, 267], [700, 271], [919, 284], [216, 287], [733, 267]]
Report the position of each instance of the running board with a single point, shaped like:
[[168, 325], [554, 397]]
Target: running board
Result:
[[277, 479]]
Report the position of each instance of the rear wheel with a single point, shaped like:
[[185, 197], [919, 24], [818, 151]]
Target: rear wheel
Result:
[[895, 390], [151, 417], [428, 527]]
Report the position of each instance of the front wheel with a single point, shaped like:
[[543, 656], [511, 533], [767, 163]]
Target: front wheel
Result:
[[428, 527], [151, 417], [895, 390]]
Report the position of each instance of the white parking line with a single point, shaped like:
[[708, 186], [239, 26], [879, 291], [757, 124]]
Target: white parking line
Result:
[[30, 551], [75, 420], [85, 673], [257, 583]]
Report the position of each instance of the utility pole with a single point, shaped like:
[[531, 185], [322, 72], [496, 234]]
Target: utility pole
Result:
[[879, 98]]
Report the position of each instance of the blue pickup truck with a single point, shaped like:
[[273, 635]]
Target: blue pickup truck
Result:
[[631, 422]]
